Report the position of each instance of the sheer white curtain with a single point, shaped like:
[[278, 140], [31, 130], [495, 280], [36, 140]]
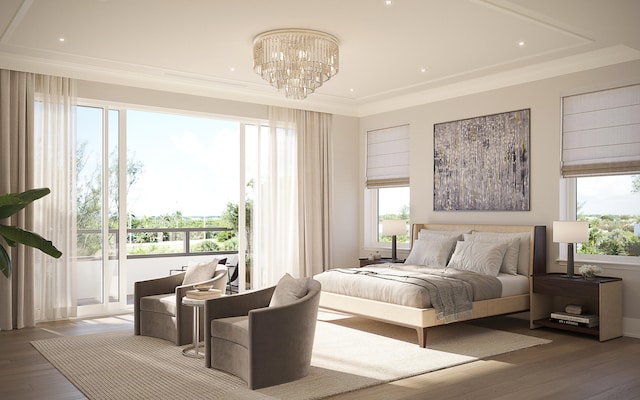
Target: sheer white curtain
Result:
[[16, 175], [291, 209], [36, 150], [55, 215]]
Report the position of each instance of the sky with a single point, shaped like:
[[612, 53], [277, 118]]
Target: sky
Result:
[[189, 164], [608, 195]]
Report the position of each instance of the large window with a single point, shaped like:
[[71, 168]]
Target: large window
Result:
[[387, 181], [601, 171], [156, 188]]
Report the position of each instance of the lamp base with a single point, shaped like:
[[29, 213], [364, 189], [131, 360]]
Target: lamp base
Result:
[[570, 268]]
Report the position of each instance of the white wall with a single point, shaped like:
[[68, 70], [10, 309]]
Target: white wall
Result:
[[345, 190], [543, 98]]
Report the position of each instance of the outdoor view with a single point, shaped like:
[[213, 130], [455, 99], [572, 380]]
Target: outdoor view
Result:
[[611, 205], [393, 203], [181, 186], [181, 183]]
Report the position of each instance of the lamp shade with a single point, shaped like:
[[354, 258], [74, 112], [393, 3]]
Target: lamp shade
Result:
[[393, 227], [570, 231]]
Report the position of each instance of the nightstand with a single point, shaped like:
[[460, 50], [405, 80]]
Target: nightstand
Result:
[[601, 295], [366, 261]]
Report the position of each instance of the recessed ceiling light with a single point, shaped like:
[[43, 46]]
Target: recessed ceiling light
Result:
[[388, 2], [521, 43], [423, 69], [232, 69], [352, 90], [61, 39]]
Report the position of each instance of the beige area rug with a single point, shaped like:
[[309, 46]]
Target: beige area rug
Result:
[[349, 354]]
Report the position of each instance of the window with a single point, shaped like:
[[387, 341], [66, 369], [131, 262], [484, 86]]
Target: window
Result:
[[387, 193], [155, 188], [611, 205], [601, 167]]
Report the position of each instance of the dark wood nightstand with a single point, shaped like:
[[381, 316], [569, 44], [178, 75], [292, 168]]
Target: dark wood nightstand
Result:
[[602, 296], [366, 261]]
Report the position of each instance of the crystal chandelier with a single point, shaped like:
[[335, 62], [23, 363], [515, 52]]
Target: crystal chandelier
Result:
[[296, 60]]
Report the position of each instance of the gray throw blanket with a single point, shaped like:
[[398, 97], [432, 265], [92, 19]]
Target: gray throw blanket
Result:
[[449, 291]]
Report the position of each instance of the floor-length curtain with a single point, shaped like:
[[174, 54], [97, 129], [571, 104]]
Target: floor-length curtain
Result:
[[314, 190], [36, 123], [291, 209], [16, 175], [55, 216]]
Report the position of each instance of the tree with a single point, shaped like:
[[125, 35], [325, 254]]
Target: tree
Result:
[[635, 184], [89, 196]]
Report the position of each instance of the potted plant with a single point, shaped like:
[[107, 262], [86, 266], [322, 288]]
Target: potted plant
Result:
[[10, 204]]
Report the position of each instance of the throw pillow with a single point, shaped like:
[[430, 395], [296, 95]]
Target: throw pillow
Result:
[[430, 253], [198, 272], [288, 290], [483, 258]]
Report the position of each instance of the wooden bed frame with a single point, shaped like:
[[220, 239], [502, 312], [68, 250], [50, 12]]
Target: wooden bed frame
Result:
[[423, 318]]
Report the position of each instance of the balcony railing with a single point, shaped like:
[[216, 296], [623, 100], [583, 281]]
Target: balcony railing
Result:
[[160, 242]]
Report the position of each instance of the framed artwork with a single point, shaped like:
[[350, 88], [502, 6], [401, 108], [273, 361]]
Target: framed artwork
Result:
[[482, 163]]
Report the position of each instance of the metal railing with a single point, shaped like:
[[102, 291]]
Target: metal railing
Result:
[[184, 235]]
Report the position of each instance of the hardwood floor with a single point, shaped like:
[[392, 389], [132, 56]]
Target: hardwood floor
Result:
[[571, 367]]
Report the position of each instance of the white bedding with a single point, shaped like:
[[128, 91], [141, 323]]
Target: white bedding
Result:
[[513, 285], [409, 285]]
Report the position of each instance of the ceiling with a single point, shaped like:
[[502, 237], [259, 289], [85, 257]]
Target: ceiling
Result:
[[391, 56]]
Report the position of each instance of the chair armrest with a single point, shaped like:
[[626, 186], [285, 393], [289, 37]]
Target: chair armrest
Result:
[[165, 284], [237, 304], [281, 338]]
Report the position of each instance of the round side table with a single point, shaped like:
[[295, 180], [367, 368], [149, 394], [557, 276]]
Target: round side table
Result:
[[194, 350]]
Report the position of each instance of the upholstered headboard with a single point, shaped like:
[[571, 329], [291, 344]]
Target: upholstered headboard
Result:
[[537, 245]]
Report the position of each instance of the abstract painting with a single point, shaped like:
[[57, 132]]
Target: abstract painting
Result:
[[482, 163]]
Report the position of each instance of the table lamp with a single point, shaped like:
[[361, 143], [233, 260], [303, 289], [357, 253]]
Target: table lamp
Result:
[[570, 232], [393, 227]]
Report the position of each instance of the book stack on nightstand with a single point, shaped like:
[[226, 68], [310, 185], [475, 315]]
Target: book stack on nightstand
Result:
[[573, 316]]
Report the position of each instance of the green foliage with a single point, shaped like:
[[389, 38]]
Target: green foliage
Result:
[[611, 235], [635, 184], [11, 204]]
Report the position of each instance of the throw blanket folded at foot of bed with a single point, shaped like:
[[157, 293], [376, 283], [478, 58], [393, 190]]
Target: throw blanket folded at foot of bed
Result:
[[449, 291]]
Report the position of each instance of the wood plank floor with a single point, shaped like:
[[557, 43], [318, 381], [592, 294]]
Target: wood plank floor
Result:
[[572, 367]]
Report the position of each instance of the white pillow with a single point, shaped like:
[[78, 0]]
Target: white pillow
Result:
[[483, 258], [288, 290], [430, 253], [198, 272], [440, 235], [524, 251], [510, 260]]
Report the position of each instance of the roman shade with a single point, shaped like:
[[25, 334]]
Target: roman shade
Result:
[[601, 133], [388, 157]]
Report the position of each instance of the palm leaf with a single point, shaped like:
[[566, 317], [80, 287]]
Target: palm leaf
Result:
[[5, 262], [15, 234], [11, 203]]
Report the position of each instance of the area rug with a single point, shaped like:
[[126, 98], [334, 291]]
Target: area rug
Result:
[[349, 354]]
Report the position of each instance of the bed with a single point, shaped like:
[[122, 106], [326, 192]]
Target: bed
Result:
[[515, 280]]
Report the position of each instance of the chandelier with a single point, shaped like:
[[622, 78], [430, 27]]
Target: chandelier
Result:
[[296, 60]]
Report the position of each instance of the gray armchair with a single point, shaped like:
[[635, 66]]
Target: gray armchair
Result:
[[263, 344], [158, 310]]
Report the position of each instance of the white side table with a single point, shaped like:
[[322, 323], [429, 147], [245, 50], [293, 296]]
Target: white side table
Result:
[[194, 349]]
